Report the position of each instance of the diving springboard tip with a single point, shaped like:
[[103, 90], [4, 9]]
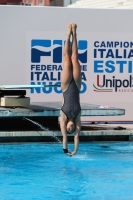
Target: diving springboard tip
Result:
[[26, 86]]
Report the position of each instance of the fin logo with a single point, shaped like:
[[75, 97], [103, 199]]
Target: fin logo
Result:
[[82, 51], [54, 49], [44, 48]]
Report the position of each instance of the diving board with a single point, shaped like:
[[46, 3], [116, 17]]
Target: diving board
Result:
[[20, 100], [26, 86]]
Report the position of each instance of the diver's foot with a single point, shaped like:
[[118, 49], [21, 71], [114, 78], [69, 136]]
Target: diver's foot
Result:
[[69, 30], [74, 27]]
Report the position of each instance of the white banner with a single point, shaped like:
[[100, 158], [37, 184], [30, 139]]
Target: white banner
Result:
[[32, 53]]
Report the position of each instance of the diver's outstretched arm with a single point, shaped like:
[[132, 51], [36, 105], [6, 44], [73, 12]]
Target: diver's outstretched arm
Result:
[[64, 134], [76, 136]]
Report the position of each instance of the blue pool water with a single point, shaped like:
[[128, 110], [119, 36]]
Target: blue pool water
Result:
[[39, 171]]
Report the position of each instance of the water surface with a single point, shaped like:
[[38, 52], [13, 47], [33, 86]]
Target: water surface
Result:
[[39, 171]]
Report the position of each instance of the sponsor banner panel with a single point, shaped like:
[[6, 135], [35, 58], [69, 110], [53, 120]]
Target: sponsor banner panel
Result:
[[112, 67]]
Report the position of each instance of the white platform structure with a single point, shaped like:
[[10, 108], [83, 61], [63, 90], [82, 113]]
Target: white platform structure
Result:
[[52, 109], [119, 4]]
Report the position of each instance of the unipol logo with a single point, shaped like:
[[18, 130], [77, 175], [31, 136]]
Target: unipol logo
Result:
[[53, 49], [46, 48]]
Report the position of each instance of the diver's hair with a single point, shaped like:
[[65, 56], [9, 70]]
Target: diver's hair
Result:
[[73, 129]]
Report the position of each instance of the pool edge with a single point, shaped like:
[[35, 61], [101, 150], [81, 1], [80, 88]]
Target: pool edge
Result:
[[52, 136]]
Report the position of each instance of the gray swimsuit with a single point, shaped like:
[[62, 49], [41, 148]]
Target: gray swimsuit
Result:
[[71, 106]]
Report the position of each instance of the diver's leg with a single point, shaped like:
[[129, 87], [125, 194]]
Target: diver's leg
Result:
[[66, 75], [75, 62]]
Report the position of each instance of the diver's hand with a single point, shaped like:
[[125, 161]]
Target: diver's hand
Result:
[[71, 153]]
